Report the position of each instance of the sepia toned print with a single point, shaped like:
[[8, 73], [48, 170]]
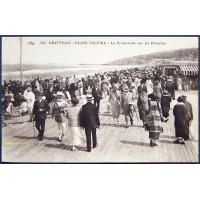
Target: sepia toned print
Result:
[[100, 99]]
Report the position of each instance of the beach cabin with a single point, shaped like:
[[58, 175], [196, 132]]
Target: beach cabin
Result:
[[180, 68]]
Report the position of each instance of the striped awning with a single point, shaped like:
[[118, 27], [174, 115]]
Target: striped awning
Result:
[[189, 69]]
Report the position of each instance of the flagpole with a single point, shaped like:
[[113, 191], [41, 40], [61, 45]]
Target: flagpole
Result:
[[21, 66]]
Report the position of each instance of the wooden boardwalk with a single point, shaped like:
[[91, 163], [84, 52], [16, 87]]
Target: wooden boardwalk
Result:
[[116, 144]]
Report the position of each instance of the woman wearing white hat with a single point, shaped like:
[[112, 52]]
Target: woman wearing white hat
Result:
[[59, 112]]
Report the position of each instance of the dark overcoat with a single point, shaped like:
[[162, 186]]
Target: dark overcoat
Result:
[[180, 122], [165, 104], [89, 116], [189, 115], [39, 109]]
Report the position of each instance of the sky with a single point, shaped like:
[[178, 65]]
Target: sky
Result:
[[86, 50]]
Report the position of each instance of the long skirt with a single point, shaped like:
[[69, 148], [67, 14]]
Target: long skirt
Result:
[[165, 111], [115, 108], [179, 86], [9, 108], [77, 137], [182, 130], [154, 135], [142, 113]]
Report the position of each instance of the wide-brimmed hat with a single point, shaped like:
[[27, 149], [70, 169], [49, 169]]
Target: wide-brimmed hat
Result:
[[131, 103], [59, 94], [126, 89], [29, 88], [133, 85], [169, 80], [89, 98]]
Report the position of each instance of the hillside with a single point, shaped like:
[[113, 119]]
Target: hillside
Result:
[[176, 55]]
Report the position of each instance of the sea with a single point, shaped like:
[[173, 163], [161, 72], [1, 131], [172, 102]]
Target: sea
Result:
[[80, 71]]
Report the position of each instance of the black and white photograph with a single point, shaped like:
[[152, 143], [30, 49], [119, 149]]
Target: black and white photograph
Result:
[[100, 99]]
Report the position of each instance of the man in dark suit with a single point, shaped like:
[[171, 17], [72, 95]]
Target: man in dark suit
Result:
[[142, 87], [40, 108], [97, 94], [170, 88], [189, 115], [90, 121]]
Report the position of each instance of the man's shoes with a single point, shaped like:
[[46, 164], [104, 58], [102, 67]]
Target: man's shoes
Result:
[[127, 126], [95, 145], [30, 120], [88, 150], [40, 138], [154, 144], [181, 142], [176, 141]]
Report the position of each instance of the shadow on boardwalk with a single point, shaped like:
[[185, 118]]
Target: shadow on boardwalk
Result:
[[143, 144], [35, 138], [64, 147], [120, 125]]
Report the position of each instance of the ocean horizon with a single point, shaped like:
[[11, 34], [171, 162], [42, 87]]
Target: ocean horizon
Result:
[[65, 71]]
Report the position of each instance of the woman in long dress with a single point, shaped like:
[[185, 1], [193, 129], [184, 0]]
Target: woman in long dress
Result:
[[180, 122], [179, 83], [153, 118], [165, 104], [149, 86], [59, 112], [143, 105], [114, 102], [73, 116]]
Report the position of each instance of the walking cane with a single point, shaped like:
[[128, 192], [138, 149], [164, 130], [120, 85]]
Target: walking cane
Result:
[[34, 128], [109, 117]]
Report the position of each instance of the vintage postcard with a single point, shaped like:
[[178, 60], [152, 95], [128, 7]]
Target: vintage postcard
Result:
[[100, 99]]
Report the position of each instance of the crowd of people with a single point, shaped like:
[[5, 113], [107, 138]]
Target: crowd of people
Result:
[[131, 91]]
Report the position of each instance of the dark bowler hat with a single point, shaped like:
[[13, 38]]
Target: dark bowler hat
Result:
[[180, 99]]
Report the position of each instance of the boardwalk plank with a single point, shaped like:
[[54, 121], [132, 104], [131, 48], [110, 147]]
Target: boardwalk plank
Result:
[[116, 144]]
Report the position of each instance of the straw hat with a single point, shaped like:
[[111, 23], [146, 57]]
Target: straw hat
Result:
[[89, 98], [59, 94], [29, 88], [126, 89], [184, 97]]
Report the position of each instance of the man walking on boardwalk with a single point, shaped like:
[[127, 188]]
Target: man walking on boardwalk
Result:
[[90, 121], [126, 98], [189, 115], [97, 94], [40, 108]]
